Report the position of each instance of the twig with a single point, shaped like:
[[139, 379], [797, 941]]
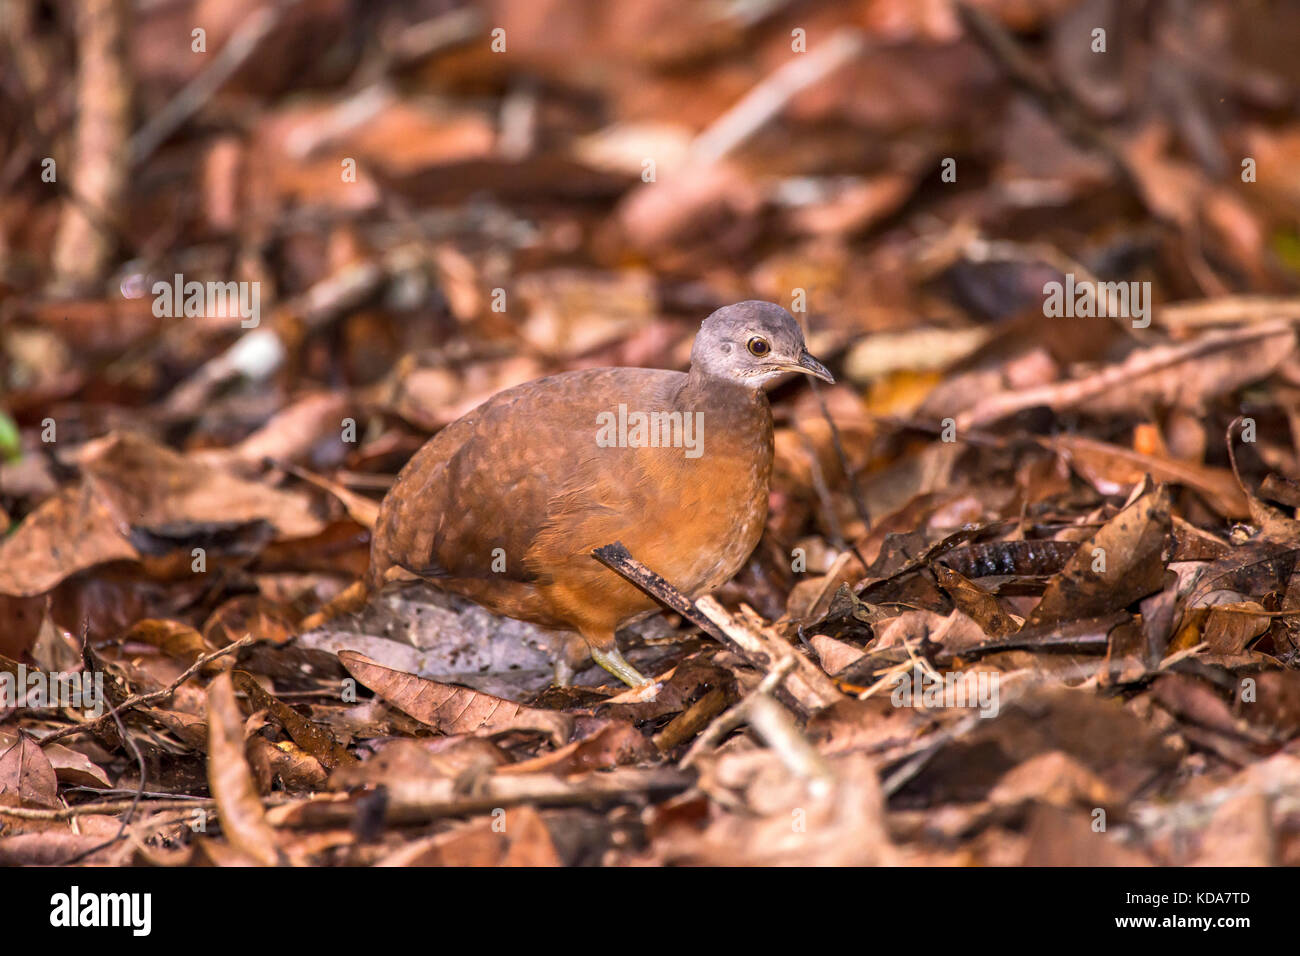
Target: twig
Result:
[[1086, 636], [1055, 102], [364, 511], [757, 107], [135, 751], [859, 503], [149, 698], [692, 720], [736, 716], [773, 724], [139, 791], [103, 807], [1014, 686], [185, 104], [808, 684], [618, 559], [428, 37], [1229, 310], [1112, 378], [419, 801], [895, 781]]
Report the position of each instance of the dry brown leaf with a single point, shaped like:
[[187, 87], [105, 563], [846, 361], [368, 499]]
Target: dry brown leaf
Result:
[[517, 836], [975, 603], [1056, 778], [243, 821], [26, 775], [173, 638], [453, 710], [1181, 374], [147, 486], [307, 734], [1131, 545], [1230, 627], [68, 533], [70, 766], [613, 744], [1112, 469]]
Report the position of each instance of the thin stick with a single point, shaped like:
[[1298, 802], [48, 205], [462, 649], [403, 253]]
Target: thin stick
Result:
[[1123, 374], [692, 720], [761, 104], [149, 698], [419, 801], [103, 807], [106, 807], [859, 503], [139, 791], [737, 715], [618, 559], [185, 104]]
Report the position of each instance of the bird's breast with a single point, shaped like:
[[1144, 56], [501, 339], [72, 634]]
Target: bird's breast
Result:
[[708, 512]]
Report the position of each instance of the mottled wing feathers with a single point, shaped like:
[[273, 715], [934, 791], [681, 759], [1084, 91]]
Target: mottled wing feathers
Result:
[[474, 500]]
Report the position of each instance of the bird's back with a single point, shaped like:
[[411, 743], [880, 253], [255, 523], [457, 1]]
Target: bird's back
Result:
[[504, 504]]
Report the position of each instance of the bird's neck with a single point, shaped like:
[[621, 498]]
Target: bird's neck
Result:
[[701, 390]]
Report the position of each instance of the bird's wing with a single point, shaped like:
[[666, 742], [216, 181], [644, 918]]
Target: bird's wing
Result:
[[475, 499]]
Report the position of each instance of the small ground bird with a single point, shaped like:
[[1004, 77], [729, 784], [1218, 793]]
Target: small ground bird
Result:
[[505, 505]]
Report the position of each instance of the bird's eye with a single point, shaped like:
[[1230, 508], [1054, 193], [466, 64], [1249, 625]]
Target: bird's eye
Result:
[[758, 346]]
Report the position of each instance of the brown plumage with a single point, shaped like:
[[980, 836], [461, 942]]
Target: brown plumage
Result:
[[505, 505]]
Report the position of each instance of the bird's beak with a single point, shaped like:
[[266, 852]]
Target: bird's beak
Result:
[[810, 366]]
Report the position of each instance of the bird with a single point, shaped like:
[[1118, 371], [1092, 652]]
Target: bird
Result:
[[505, 505]]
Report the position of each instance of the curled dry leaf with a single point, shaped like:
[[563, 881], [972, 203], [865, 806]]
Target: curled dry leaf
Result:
[[307, 734], [292, 433], [422, 759], [1229, 628], [287, 764], [453, 710], [1056, 778], [613, 744], [975, 603], [843, 822], [189, 729], [1122, 562], [242, 818], [55, 848], [1186, 374], [173, 638]]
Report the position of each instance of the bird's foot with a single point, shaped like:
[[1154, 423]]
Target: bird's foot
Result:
[[617, 664]]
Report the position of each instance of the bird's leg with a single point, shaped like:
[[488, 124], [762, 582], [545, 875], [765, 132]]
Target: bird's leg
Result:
[[617, 664], [604, 651], [571, 657]]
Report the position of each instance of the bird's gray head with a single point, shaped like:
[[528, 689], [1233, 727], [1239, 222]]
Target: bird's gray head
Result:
[[751, 342]]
